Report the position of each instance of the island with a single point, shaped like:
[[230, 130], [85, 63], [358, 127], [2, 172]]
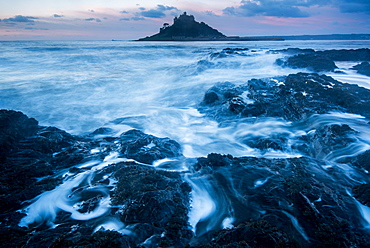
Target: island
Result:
[[186, 28]]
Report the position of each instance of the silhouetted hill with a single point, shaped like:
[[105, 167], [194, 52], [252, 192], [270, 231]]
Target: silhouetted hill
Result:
[[185, 27]]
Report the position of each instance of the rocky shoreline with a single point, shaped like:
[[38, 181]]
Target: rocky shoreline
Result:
[[118, 198]]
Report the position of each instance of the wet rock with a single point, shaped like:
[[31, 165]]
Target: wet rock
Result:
[[220, 93], [313, 62], [27, 154], [159, 199], [363, 68], [264, 144], [362, 193], [294, 97], [362, 54], [282, 202], [229, 51], [147, 148], [320, 143], [102, 131], [14, 127], [292, 51], [210, 97], [320, 61], [361, 161], [32, 159], [213, 159], [252, 234]]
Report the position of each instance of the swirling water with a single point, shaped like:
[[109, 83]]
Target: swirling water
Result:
[[156, 87]]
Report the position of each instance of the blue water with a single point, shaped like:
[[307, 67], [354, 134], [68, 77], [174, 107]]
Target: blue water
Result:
[[156, 87], [79, 86]]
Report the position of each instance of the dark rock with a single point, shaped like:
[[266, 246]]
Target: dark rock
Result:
[[102, 131], [363, 68], [262, 143], [320, 61], [32, 158], [14, 126], [147, 148], [221, 93], [158, 198], [326, 139], [295, 97], [210, 97], [361, 161], [313, 62], [252, 234], [229, 51], [292, 51], [362, 193], [213, 159], [282, 203], [362, 54]]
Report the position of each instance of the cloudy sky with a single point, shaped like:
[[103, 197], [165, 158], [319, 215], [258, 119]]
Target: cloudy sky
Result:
[[124, 19]]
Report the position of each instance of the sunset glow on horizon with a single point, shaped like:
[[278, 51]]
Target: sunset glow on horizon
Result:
[[102, 20]]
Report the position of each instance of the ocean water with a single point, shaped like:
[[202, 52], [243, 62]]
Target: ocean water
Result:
[[156, 87], [79, 86]]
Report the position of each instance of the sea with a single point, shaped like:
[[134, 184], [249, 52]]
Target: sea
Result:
[[156, 87], [79, 86]]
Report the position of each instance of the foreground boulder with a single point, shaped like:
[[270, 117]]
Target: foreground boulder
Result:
[[28, 156]]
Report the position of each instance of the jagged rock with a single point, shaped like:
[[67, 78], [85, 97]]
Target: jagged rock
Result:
[[363, 68], [361, 161], [362, 193], [292, 51], [147, 148], [14, 127], [320, 61], [229, 51], [252, 234], [313, 62], [326, 139], [156, 198], [294, 97], [156, 205], [263, 143], [27, 154], [290, 202]]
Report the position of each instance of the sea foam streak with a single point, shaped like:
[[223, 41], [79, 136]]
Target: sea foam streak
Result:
[[47, 205]]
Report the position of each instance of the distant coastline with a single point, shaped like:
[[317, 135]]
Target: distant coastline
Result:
[[316, 37]]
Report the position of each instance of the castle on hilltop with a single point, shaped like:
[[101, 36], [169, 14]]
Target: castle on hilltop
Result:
[[185, 28]]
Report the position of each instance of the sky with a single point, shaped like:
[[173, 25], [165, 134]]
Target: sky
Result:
[[128, 20]]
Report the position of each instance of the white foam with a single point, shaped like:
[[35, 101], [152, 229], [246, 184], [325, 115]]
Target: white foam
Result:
[[228, 223], [47, 205], [202, 204], [297, 226]]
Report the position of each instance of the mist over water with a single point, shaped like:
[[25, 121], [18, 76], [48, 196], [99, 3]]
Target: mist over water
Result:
[[156, 88], [81, 86]]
